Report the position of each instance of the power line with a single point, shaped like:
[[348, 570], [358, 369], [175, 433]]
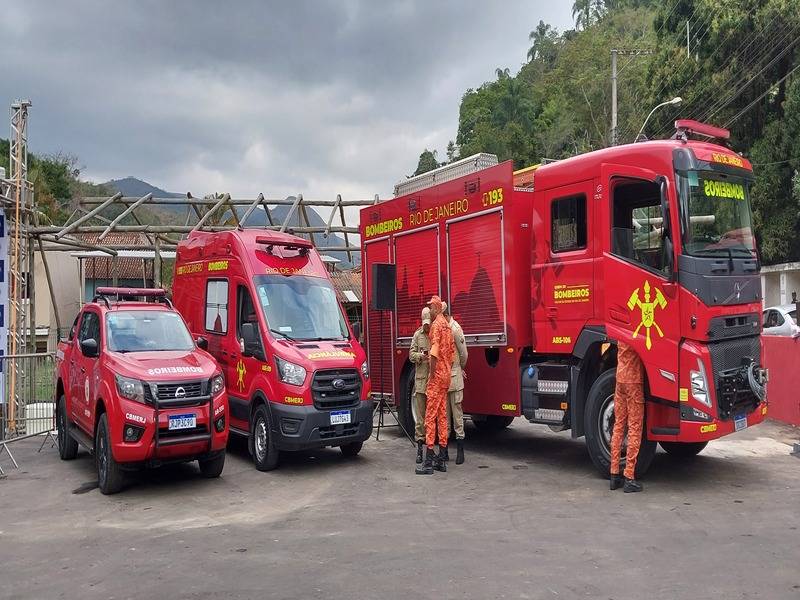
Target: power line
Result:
[[754, 102]]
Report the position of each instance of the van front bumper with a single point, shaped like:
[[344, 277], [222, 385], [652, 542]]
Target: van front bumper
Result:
[[306, 427]]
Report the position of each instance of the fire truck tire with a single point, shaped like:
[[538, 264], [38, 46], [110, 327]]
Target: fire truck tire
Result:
[[109, 475], [351, 449], [265, 453], [67, 446], [598, 417], [683, 449], [405, 411], [212, 467], [492, 423]]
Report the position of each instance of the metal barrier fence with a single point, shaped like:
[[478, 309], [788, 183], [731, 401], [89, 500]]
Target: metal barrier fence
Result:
[[27, 394]]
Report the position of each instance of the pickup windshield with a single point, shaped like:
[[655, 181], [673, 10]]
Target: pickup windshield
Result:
[[719, 221], [299, 307], [146, 331]]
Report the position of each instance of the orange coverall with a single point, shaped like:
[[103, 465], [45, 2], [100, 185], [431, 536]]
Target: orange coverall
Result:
[[443, 348], [628, 409]]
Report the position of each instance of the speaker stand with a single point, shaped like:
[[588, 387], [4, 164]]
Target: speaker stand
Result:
[[383, 406]]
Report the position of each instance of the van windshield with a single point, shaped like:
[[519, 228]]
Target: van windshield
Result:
[[299, 307], [146, 331]]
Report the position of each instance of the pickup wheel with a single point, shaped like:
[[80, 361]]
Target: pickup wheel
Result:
[[265, 454], [67, 446], [212, 467], [492, 423], [599, 420], [351, 449], [683, 449], [109, 476]]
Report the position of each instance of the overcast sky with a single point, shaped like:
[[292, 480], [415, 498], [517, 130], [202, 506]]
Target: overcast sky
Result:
[[245, 97]]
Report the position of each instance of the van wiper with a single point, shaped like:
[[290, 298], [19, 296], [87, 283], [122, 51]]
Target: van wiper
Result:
[[279, 332]]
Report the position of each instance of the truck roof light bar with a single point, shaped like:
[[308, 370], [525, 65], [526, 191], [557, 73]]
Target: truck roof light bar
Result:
[[687, 126]]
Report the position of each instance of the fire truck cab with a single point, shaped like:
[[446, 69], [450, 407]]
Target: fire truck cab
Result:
[[546, 268], [262, 301]]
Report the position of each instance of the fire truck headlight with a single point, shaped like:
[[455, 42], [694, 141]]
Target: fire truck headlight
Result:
[[132, 389], [700, 384], [217, 385], [290, 372], [365, 370]]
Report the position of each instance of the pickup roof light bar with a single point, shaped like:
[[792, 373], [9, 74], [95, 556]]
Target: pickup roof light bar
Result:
[[684, 126], [103, 293]]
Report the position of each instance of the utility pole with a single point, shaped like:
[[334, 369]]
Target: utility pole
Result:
[[615, 52], [688, 50]]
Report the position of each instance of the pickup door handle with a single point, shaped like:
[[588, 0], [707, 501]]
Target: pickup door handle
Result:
[[750, 267]]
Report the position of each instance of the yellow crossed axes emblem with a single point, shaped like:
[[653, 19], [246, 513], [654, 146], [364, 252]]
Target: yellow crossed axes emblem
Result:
[[240, 371], [648, 309]]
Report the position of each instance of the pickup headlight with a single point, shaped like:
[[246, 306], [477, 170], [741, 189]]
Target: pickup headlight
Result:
[[217, 384], [699, 383], [290, 372], [132, 389], [365, 370]]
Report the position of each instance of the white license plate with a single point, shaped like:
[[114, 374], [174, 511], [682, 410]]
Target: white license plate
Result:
[[340, 417], [182, 422], [740, 423]]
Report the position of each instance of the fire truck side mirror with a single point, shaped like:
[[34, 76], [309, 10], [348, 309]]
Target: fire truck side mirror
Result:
[[666, 229]]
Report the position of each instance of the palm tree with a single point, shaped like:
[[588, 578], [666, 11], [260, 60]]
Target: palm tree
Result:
[[587, 12], [540, 36], [502, 73]]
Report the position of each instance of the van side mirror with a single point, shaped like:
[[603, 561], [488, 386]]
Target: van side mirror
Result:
[[251, 341], [89, 348], [202, 343]]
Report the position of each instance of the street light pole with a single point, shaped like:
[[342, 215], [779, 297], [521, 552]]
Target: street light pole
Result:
[[675, 100]]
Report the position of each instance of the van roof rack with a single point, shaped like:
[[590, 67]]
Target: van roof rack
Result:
[[119, 294]]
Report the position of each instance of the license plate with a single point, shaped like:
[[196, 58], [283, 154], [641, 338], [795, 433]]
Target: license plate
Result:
[[740, 422], [340, 417], [182, 422]]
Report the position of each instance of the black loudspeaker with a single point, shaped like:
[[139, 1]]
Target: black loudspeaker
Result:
[[384, 279]]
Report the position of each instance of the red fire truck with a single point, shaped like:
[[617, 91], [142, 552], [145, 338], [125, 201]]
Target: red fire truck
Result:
[[545, 268], [265, 307]]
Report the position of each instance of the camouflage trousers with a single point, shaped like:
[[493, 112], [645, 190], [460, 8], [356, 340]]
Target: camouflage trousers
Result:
[[628, 414]]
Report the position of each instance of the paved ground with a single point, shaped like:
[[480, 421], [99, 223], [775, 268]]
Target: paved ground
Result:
[[525, 517]]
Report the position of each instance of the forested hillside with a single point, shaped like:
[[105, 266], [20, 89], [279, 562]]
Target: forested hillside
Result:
[[738, 70]]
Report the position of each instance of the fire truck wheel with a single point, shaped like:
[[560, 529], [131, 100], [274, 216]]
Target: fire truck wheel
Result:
[[352, 449], [405, 411], [212, 467], [109, 476], [599, 420], [492, 423], [683, 449], [265, 454], [67, 447]]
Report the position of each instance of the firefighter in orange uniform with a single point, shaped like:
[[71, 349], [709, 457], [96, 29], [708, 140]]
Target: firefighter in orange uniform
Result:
[[441, 362], [628, 411]]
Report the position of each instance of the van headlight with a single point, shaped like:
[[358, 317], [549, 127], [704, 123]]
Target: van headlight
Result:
[[129, 388], [217, 384], [699, 383], [365, 370], [290, 372]]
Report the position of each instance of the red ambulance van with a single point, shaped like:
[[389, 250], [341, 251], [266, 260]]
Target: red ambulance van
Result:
[[296, 376]]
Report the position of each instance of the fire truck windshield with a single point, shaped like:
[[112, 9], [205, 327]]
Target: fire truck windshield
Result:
[[717, 217], [300, 307], [146, 331]]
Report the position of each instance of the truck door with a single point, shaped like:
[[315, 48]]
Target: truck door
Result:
[[83, 397], [565, 273], [221, 341], [379, 325], [641, 304]]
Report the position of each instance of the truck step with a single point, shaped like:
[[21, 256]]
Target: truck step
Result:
[[77, 434], [547, 416]]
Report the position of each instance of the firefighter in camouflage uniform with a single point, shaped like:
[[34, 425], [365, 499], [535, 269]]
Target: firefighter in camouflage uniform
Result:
[[628, 412], [419, 355]]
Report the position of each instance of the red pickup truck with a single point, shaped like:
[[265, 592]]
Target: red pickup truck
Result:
[[136, 390]]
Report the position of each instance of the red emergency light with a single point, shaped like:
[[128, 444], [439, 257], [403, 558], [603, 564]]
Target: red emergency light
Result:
[[702, 129], [121, 291], [302, 246]]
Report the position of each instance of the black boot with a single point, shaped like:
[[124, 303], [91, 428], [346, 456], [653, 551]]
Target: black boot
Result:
[[426, 468], [420, 444], [616, 481], [460, 452], [439, 463], [631, 485], [443, 453]]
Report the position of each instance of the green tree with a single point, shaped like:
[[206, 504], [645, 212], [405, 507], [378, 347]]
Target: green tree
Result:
[[427, 162]]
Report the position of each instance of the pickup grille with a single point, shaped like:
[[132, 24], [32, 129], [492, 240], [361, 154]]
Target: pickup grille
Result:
[[336, 388], [177, 393], [729, 360]]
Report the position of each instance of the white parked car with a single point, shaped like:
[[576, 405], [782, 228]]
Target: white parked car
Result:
[[781, 320]]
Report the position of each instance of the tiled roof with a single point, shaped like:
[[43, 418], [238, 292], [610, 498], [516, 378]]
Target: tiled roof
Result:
[[126, 268], [347, 280]]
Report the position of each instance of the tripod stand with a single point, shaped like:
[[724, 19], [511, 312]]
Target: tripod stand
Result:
[[383, 406]]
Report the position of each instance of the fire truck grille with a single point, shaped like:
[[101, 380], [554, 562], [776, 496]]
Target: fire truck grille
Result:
[[729, 360], [177, 393], [336, 388]]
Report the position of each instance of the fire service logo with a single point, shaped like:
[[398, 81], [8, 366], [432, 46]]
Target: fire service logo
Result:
[[241, 371], [648, 311]]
